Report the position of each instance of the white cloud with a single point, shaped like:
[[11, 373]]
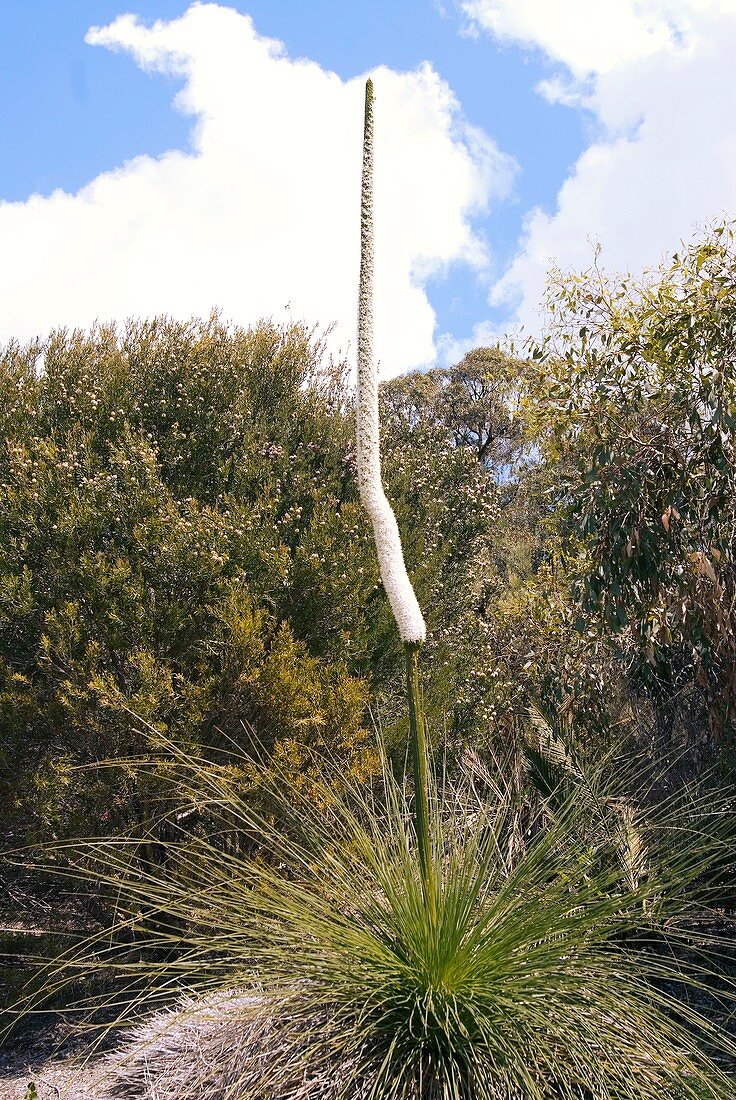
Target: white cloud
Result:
[[660, 81], [586, 35], [596, 36], [262, 212]]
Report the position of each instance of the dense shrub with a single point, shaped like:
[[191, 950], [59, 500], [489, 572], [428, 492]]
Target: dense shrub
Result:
[[170, 496], [474, 492], [640, 386]]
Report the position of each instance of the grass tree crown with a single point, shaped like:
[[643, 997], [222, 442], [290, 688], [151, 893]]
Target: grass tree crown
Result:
[[395, 579]]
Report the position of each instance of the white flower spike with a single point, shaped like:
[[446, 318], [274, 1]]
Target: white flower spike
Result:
[[395, 579]]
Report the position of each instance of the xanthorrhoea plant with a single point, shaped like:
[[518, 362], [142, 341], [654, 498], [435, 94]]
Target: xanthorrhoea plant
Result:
[[335, 968], [399, 590], [324, 975]]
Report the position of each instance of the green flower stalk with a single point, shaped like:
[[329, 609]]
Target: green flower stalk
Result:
[[399, 590]]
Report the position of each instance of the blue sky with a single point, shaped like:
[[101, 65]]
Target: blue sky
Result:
[[74, 110]]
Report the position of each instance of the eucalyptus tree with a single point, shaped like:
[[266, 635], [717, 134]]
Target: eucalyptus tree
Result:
[[640, 376]]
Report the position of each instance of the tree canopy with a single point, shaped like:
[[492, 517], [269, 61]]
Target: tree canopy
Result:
[[640, 379]]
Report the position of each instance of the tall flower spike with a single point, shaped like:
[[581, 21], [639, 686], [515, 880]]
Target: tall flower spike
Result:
[[395, 579]]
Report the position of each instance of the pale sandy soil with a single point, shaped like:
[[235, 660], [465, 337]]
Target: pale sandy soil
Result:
[[59, 1066], [58, 1081]]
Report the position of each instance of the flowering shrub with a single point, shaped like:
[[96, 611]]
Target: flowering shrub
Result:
[[169, 495]]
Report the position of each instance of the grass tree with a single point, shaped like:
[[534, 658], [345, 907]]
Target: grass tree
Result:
[[399, 589], [505, 964], [318, 971]]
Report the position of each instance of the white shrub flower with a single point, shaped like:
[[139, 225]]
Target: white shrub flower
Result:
[[395, 579]]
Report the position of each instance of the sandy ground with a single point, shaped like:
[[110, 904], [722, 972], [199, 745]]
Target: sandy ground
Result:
[[58, 1063], [58, 1081]]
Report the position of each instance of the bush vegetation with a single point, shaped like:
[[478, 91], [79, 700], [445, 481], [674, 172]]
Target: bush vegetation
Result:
[[195, 650]]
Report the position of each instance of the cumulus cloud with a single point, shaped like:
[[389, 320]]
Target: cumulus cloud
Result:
[[658, 79], [596, 37], [260, 216], [585, 36]]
